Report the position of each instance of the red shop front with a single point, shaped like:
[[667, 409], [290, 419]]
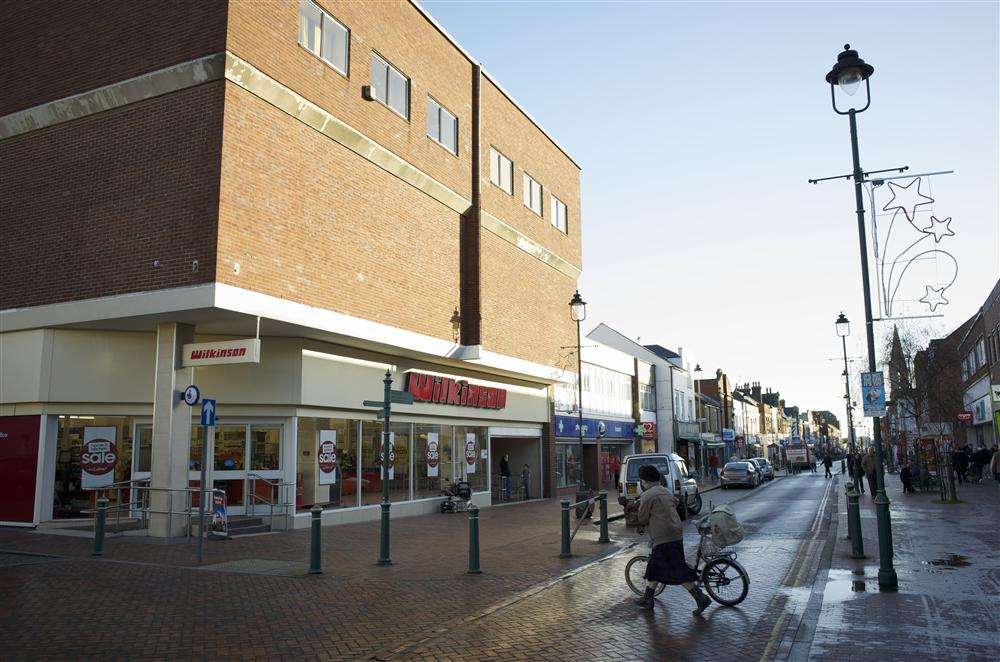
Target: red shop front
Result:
[[19, 437]]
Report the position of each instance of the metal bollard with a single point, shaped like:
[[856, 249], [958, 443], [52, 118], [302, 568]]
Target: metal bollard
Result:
[[102, 511], [854, 523], [603, 498], [565, 553], [315, 564], [474, 540]]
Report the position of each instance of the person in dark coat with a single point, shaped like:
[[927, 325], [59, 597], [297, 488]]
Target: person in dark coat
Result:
[[960, 462], [827, 464], [906, 477], [667, 565], [505, 477]]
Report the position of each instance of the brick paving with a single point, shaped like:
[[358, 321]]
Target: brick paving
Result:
[[947, 559], [253, 598]]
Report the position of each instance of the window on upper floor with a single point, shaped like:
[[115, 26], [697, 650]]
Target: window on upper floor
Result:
[[442, 126], [980, 353], [390, 86], [324, 36], [501, 171], [532, 194], [647, 397], [557, 210]]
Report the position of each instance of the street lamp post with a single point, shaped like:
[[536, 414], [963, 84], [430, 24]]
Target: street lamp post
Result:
[[848, 73], [701, 441], [843, 327], [578, 311]]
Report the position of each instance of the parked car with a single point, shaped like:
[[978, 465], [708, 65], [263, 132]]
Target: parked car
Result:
[[673, 475], [743, 473], [765, 468]]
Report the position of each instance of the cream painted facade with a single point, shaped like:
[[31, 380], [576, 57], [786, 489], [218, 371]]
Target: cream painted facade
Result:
[[74, 376]]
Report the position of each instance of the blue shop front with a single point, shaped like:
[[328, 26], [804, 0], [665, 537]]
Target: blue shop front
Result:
[[606, 442]]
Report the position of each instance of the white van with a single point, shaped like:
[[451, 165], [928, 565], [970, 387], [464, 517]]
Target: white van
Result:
[[673, 475]]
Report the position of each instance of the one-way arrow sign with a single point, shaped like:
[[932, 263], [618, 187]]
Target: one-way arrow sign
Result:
[[207, 412]]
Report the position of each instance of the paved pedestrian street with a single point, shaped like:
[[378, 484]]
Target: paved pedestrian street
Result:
[[253, 599]]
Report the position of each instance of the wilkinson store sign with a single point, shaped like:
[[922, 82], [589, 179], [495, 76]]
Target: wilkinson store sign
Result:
[[457, 392], [221, 352]]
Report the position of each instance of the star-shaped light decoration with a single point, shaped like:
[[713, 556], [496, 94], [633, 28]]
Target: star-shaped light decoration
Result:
[[934, 298], [907, 198], [940, 228]]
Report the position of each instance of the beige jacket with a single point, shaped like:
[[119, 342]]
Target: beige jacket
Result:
[[658, 513], [868, 464]]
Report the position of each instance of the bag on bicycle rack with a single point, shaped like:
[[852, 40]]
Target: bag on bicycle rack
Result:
[[724, 529]]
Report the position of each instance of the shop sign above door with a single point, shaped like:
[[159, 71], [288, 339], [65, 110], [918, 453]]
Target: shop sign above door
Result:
[[221, 352], [448, 391]]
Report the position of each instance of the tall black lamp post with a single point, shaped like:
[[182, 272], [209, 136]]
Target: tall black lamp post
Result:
[[701, 442], [843, 327], [848, 73], [578, 311]]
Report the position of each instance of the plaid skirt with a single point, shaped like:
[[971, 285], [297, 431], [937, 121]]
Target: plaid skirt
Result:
[[667, 564]]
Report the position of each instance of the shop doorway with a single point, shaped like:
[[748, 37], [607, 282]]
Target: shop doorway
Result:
[[521, 452], [612, 455]]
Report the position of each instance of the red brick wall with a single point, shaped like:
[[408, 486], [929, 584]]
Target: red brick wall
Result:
[[90, 204], [54, 48], [265, 34], [310, 221]]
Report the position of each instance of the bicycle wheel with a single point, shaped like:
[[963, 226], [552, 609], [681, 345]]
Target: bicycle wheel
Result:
[[635, 571], [726, 581]]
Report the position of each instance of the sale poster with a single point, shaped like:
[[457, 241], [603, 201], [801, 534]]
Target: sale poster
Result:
[[327, 457], [220, 517], [433, 454], [470, 453], [392, 456], [98, 457]]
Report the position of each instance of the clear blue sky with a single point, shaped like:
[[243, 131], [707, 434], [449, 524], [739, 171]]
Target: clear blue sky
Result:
[[697, 125]]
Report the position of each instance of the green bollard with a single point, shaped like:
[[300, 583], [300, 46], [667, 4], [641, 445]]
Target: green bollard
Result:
[[603, 498], [102, 511], [315, 564], [565, 553], [854, 523], [474, 540]]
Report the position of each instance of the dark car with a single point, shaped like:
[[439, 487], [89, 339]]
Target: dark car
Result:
[[743, 473]]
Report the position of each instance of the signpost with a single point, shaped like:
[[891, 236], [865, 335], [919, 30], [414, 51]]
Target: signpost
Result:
[[384, 410], [207, 430], [873, 394]]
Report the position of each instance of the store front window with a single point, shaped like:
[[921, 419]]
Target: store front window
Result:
[[343, 493], [70, 499], [568, 466], [371, 453], [473, 445], [432, 462]]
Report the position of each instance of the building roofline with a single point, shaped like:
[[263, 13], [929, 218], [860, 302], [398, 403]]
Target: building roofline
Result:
[[461, 49]]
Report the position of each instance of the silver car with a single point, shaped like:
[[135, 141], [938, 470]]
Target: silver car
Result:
[[764, 467], [742, 473]]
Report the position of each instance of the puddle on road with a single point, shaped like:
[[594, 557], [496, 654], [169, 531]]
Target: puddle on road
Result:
[[843, 585], [950, 561]]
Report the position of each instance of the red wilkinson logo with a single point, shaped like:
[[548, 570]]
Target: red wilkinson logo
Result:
[[458, 392]]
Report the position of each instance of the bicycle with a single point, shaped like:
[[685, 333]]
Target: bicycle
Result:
[[725, 580]]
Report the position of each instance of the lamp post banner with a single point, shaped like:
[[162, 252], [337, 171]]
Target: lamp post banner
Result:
[[873, 394], [327, 457]]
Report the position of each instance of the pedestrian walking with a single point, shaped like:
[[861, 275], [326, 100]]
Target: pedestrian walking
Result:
[[713, 465], [827, 464], [812, 466], [906, 477], [667, 565], [505, 477], [960, 462], [868, 467], [526, 481]]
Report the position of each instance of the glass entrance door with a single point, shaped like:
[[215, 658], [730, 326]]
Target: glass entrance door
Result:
[[246, 463]]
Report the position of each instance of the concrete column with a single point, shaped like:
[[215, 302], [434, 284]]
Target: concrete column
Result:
[[171, 432]]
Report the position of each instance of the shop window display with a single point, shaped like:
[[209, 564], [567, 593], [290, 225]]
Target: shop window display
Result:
[[431, 474], [371, 475], [472, 442], [70, 499], [344, 492]]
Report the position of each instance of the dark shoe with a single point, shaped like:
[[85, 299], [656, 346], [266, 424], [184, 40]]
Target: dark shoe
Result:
[[702, 600], [646, 601]]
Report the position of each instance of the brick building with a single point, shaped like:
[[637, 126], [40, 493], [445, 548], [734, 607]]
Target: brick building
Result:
[[339, 184]]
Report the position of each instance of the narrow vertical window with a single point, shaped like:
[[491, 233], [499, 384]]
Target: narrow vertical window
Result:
[[501, 171], [558, 213], [532, 194], [442, 126], [324, 36], [390, 86]]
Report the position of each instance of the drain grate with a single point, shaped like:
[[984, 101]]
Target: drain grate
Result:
[[7, 559], [260, 567]]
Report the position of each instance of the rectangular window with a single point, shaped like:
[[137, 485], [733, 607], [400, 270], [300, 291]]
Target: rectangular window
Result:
[[501, 171], [442, 126], [980, 354], [532, 194], [390, 86], [324, 35], [558, 212]]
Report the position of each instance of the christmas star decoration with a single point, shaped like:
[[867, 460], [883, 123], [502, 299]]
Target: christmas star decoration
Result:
[[934, 298], [940, 228], [907, 198]]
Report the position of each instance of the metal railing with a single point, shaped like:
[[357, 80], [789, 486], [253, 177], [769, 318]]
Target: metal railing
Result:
[[278, 500], [567, 538]]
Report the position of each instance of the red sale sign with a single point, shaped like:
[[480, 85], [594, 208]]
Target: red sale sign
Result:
[[327, 457]]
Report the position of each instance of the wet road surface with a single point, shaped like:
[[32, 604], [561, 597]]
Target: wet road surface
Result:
[[590, 616]]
